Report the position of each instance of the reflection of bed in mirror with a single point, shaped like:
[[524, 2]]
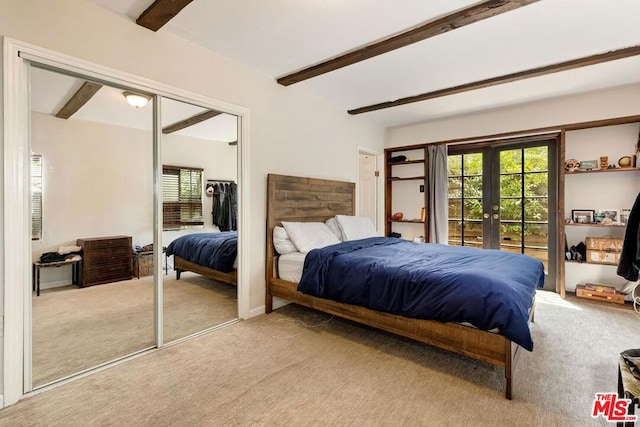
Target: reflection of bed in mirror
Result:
[[296, 199], [213, 255]]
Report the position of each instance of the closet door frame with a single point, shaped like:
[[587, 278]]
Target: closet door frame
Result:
[[15, 269]]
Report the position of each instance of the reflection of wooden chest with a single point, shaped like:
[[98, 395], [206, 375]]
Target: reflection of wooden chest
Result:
[[105, 260], [603, 250], [599, 293]]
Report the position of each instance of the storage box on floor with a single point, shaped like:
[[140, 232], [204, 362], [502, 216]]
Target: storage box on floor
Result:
[[603, 250], [599, 293]]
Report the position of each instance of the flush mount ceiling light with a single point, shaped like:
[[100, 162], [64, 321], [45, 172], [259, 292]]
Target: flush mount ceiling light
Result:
[[136, 99]]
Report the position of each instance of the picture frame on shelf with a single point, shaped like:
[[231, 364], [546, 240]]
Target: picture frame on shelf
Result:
[[587, 165], [624, 216], [583, 216], [610, 214]]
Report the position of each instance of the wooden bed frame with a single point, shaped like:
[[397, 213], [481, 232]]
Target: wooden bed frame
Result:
[[292, 198], [181, 264]]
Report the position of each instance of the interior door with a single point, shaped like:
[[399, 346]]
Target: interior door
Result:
[[367, 191], [502, 196]]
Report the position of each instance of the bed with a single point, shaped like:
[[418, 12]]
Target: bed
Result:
[[316, 200], [213, 255]]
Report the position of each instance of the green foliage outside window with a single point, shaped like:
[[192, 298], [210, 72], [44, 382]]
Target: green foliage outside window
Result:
[[466, 181]]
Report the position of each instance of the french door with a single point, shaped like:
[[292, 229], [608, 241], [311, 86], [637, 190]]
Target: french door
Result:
[[503, 196]]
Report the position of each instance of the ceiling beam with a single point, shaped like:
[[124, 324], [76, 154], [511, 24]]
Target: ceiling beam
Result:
[[161, 12], [484, 10], [82, 95], [201, 117], [507, 78]]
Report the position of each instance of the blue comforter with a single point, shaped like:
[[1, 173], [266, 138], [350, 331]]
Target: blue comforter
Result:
[[486, 288], [213, 250]]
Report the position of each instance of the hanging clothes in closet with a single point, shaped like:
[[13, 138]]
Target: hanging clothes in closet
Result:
[[225, 205]]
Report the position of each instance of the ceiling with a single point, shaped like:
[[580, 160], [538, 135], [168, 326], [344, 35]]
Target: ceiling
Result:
[[279, 37], [50, 91]]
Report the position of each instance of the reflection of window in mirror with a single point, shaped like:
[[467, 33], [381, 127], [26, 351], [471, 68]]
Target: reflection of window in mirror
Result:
[[36, 197], [181, 197]]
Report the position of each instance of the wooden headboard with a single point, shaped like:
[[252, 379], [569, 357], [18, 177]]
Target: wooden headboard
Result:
[[294, 198]]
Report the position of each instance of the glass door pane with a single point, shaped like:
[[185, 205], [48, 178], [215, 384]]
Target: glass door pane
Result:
[[524, 201], [95, 195], [501, 196], [199, 202], [466, 198]]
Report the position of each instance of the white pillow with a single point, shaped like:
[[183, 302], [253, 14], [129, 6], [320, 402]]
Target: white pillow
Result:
[[281, 241], [332, 223], [309, 235], [355, 227]]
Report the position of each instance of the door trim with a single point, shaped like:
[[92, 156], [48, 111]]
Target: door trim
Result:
[[379, 188]]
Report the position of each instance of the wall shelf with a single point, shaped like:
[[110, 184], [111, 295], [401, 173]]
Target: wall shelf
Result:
[[406, 162], [411, 178], [580, 172], [594, 225], [410, 196], [617, 190]]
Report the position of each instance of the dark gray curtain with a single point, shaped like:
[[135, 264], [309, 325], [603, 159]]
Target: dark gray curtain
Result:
[[438, 194]]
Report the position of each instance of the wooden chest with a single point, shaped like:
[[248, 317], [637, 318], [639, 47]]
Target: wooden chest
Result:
[[599, 293], [105, 260], [603, 250]]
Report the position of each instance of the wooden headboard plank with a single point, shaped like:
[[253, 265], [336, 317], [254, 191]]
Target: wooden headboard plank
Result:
[[300, 199]]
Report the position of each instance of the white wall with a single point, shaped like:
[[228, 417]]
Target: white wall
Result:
[[98, 182], [624, 101], [291, 130]]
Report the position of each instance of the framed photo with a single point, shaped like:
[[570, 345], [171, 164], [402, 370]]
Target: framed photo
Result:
[[612, 214], [587, 165], [624, 216], [582, 216]]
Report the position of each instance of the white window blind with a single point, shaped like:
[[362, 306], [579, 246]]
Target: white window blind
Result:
[[36, 197], [181, 197]]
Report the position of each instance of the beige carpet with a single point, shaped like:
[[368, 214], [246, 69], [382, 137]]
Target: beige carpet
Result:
[[79, 328], [277, 370]]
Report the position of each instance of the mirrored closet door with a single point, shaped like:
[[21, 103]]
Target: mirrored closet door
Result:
[[199, 215], [92, 204]]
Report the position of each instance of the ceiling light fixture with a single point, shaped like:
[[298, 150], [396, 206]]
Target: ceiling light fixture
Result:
[[136, 99]]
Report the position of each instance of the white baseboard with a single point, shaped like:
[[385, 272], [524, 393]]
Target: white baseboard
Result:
[[277, 303], [256, 311], [1, 401]]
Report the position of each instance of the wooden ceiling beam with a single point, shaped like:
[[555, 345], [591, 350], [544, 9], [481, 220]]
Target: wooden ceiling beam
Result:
[[82, 95], [201, 117], [507, 78], [484, 10], [161, 12]]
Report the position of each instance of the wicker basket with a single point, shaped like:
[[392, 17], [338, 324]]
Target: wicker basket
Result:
[[143, 264]]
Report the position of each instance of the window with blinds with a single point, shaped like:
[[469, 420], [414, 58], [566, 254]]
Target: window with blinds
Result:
[[181, 197], [36, 197]]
